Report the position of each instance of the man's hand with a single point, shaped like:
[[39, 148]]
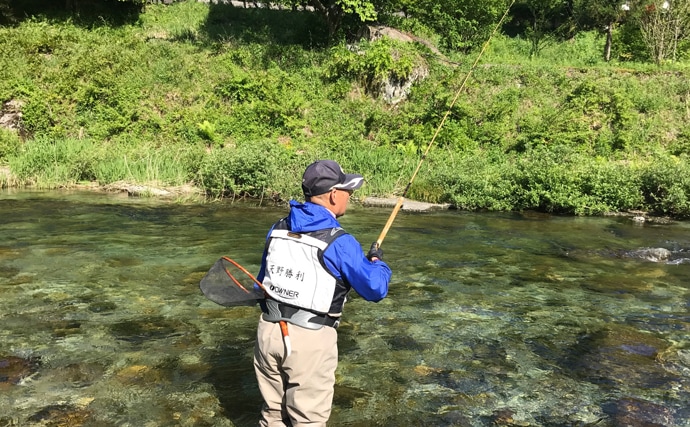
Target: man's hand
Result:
[[375, 252]]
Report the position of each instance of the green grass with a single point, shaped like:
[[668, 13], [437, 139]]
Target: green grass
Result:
[[238, 102]]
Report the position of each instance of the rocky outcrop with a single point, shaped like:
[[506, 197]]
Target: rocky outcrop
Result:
[[11, 116], [393, 90]]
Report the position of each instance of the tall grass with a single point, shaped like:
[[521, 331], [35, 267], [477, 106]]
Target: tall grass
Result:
[[48, 164]]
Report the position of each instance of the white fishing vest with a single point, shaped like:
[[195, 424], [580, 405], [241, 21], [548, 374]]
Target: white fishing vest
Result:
[[296, 274]]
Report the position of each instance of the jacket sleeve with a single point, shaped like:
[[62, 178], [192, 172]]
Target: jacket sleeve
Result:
[[346, 260]]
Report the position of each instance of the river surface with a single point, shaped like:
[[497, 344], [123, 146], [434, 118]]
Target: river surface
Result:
[[513, 319]]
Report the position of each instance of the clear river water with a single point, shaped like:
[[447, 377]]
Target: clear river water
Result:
[[511, 319]]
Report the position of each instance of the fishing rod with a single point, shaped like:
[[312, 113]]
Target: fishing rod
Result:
[[401, 199]]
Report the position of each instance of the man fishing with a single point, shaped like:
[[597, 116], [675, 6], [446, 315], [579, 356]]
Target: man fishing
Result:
[[309, 266]]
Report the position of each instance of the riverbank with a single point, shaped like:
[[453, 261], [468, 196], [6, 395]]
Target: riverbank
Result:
[[190, 193], [183, 98]]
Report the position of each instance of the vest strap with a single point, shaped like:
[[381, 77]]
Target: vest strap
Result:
[[276, 311]]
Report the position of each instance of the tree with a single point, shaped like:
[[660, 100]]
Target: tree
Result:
[[462, 24], [539, 20], [5, 12], [395, 6], [601, 15], [333, 11], [663, 24]]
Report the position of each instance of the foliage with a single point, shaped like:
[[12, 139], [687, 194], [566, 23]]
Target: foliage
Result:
[[335, 11], [597, 14], [6, 14], [245, 170], [559, 181], [666, 186], [630, 43], [540, 21], [565, 181], [462, 24], [9, 144], [662, 26], [601, 15], [269, 100], [372, 63], [185, 96]]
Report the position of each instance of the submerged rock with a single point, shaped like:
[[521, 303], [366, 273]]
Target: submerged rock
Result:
[[649, 254], [140, 375], [346, 396], [14, 369], [504, 417], [619, 355], [61, 415], [138, 331], [8, 272], [638, 413], [102, 306], [77, 375]]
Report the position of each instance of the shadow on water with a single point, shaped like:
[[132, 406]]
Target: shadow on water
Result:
[[232, 376]]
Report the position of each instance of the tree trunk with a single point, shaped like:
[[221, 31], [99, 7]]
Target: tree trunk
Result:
[[609, 42], [332, 14]]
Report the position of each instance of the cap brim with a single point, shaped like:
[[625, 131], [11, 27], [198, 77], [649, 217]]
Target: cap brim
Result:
[[352, 182]]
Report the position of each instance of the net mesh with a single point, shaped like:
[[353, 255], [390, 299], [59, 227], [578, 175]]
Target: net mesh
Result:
[[229, 284]]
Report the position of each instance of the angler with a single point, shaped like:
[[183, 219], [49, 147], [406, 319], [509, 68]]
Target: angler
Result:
[[325, 263]]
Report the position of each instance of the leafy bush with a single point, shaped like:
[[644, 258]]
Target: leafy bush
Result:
[[371, 63], [558, 180], [611, 186], [9, 144], [269, 102], [666, 185], [251, 169], [471, 180]]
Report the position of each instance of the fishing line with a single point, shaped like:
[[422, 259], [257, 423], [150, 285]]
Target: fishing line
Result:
[[401, 199], [229, 284]]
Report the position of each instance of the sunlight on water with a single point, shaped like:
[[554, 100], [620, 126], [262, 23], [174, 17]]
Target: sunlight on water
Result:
[[492, 319]]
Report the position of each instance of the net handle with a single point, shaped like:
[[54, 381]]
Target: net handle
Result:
[[243, 270]]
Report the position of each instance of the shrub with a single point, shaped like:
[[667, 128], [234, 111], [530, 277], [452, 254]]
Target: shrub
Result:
[[269, 102], [471, 181], [371, 63], [9, 144], [254, 169], [666, 185]]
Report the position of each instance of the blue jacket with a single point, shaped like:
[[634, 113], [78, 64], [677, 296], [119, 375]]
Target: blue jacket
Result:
[[344, 257]]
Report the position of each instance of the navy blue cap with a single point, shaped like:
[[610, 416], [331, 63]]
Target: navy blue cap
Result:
[[323, 176]]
